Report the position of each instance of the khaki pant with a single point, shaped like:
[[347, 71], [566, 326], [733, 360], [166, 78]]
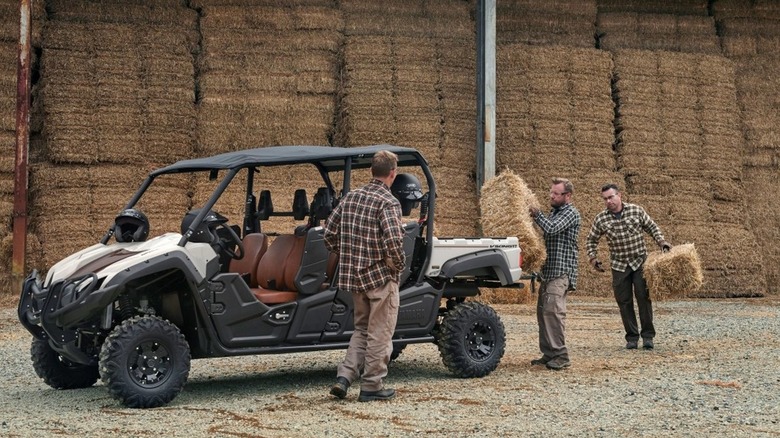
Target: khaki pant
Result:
[[551, 316], [376, 314]]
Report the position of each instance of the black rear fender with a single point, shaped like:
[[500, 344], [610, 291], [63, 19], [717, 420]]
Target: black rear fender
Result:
[[489, 264]]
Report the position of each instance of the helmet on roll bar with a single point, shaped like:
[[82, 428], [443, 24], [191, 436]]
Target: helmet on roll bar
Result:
[[131, 225]]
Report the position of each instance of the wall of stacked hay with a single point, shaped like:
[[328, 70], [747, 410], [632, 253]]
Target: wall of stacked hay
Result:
[[677, 102]]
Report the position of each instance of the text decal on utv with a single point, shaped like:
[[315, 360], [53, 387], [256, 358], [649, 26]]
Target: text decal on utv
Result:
[[133, 310]]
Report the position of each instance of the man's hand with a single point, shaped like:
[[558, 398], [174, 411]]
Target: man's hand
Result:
[[390, 263], [666, 246], [597, 264], [533, 211]]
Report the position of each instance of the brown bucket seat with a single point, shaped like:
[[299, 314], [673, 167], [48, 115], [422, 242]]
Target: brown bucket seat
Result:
[[277, 270]]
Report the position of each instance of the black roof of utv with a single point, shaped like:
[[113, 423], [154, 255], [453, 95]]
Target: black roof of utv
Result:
[[331, 158]]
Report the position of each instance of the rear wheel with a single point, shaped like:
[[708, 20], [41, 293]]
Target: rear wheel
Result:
[[471, 340], [145, 362], [57, 371]]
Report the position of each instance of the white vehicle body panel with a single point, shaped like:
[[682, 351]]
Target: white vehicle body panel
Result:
[[447, 249]]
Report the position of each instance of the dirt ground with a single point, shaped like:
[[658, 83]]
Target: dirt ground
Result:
[[714, 371]]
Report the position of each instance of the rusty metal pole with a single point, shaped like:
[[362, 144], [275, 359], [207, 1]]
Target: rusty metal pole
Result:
[[22, 144]]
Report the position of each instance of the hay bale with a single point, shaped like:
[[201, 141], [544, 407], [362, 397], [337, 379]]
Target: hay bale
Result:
[[504, 207], [506, 295], [674, 274]]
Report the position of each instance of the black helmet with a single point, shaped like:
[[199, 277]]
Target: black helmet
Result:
[[406, 187], [131, 225], [203, 231]]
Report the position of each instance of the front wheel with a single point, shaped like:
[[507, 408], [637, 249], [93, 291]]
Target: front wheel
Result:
[[145, 362], [471, 340], [57, 371]]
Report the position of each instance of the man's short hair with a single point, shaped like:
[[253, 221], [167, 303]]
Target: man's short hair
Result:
[[383, 162], [612, 186], [568, 187]]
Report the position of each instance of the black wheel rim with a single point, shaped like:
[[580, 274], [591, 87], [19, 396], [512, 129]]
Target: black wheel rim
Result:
[[149, 364], [480, 341]]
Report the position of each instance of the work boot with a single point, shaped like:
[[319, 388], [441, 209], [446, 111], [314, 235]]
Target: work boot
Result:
[[382, 394], [541, 361], [339, 389], [647, 343], [631, 345], [558, 364]]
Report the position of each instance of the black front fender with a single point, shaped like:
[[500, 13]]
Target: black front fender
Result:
[[29, 315]]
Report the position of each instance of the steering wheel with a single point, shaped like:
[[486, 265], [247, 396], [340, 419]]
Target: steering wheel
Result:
[[231, 241]]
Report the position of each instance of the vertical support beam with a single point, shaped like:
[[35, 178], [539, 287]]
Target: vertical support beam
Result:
[[486, 91], [480, 143], [22, 144], [490, 90]]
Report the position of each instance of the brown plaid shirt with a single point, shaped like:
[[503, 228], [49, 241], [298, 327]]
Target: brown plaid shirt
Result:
[[365, 230], [624, 235]]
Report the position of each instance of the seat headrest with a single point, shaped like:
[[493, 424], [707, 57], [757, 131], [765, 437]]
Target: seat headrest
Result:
[[322, 204], [265, 207], [300, 207]]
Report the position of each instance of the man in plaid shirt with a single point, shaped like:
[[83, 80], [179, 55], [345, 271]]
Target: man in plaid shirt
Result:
[[623, 224], [559, 273], [366, 232]]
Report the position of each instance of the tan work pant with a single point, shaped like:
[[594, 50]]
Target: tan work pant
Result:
[[551, 316], [376, 314]]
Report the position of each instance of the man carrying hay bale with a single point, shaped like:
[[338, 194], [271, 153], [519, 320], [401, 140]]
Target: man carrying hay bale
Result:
[[559, 272], [623, 223]]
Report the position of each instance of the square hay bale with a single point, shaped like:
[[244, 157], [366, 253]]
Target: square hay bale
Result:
[[674, 274], [504, 207]]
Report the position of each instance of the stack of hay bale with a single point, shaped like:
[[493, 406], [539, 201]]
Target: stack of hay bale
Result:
[[410, 80], [751, 38], [556, 121], [653, 31], [268, 75], [748, 28], [678, 139], [117, 99], [537, 22], [677, 7]]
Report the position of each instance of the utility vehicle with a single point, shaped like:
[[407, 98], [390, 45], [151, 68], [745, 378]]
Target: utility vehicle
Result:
[[133, 310]]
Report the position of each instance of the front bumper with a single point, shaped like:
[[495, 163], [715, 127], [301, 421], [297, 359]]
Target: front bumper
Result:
[[64, 305]]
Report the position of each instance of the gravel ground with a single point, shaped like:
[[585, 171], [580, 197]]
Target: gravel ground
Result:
[[714, 372]]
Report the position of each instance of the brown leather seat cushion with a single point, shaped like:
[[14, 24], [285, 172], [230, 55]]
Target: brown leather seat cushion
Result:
[[255, 246], [270, 270], [268, 296], [277, 270]]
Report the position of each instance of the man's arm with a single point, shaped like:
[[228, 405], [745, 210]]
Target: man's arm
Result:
[[393, 236], [592, 240], [331, 231], [556, 224]]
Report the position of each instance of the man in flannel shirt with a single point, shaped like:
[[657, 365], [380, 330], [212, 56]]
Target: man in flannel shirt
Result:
[[366, 232], [559, 273], [623, 224]]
